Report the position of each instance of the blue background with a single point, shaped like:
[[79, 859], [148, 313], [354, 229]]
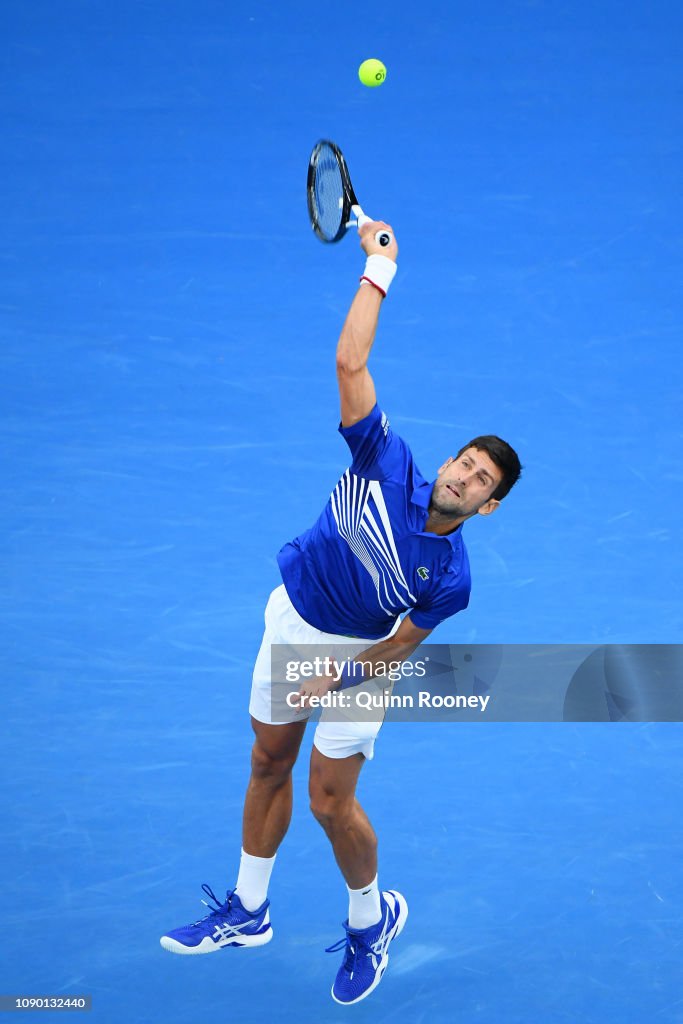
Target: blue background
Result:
[[169, 416]]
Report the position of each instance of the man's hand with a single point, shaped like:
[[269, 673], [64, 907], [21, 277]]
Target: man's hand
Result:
[[318, 686], [371, 247]]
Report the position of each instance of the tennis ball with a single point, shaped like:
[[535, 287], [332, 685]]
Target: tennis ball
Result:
[[372, 72]]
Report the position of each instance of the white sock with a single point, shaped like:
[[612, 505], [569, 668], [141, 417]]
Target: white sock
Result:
[[364, 906], [253, 879]]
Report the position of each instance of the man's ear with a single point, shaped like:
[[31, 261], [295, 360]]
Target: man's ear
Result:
[[488, 507], [445, 465]]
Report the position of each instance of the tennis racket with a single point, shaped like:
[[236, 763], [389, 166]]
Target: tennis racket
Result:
[[331, 199]]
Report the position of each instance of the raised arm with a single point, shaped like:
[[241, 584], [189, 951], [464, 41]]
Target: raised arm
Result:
[[356, 386]]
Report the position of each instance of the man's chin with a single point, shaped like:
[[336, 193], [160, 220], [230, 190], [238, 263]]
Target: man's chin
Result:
[[448, 511]]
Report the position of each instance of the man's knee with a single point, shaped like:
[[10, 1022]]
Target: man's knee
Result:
[[331, 810], [273, 766], [332, 790], [275, 750]]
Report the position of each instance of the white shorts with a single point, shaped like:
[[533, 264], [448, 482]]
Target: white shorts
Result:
[[333, 738]]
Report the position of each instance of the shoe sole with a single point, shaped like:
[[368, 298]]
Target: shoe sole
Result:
[[207, 945], [395, 932]]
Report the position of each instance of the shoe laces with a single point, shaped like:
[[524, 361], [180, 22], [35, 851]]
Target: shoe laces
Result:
[[219, 908], [355, 946]]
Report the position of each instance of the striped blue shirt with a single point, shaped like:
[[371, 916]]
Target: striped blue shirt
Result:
[[367, 558]]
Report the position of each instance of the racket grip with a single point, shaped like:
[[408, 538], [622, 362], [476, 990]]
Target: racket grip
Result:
[[382, 238]]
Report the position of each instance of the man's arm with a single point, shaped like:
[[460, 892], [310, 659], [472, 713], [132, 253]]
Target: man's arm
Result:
[[356, 386], [398, 647], [395, 649]]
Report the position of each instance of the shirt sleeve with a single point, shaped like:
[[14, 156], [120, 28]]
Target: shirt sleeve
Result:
[[376, 450], [446, 602]]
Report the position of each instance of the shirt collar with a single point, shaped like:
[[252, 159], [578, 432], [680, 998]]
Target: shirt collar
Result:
[[422, 492]]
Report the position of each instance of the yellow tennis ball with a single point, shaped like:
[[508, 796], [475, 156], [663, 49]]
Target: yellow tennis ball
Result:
[[372, 72]]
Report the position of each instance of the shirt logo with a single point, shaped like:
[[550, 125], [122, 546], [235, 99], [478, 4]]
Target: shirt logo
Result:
[[423, 572]]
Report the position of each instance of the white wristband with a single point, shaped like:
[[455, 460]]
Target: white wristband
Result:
[[379, 271]]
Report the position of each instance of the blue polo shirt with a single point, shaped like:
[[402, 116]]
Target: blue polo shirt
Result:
[[367, 559]]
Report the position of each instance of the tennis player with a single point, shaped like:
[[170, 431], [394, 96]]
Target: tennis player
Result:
[[387, 544]]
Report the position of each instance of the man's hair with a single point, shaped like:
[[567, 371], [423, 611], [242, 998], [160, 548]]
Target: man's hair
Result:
[[503, 456]]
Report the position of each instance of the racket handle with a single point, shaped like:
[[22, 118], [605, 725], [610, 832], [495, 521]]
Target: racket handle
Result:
[[382, 238]]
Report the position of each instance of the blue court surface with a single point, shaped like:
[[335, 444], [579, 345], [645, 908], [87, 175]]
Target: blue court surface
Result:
[[169, 414]]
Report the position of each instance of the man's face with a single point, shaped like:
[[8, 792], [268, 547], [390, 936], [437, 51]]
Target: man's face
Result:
[[465, 485]]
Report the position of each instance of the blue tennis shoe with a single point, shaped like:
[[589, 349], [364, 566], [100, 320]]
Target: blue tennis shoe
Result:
[[226, 924], [366, 952]]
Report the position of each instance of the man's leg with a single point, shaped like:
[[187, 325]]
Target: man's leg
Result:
[[332, 790], [244, 918], [375, 919], [268, 803], [267, 807]]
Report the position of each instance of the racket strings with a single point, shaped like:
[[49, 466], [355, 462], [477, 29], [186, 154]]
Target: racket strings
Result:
[[328, 192]]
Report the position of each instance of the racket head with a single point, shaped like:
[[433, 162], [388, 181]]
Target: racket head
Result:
[[329, 191]]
